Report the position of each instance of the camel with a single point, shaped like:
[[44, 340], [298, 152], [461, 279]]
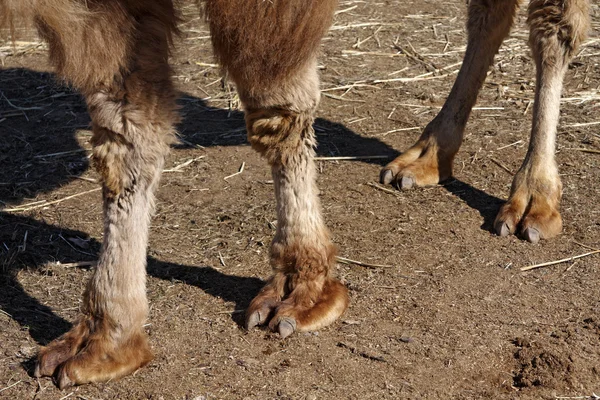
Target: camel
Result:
[[116, 53]]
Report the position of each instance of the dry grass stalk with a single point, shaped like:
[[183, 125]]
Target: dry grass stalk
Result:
[[505, 168], [184, 164], [221, 260], [79, 264], [425, 76], [362, 25], [9, 386], [61, 153], [383, 189], [412, 128], [67, 396], [530, 267], [509, 145], [582, 97], [220, 133], [585, 245], [371, 53], [346, 10], [17, 107], [237, 173], [582, 124], [5, 313], [360, 353], [83, 178], [583, 149], [344, 260], [417, 78], [352, 86], [36, 204], [415, 56], [342, 98]]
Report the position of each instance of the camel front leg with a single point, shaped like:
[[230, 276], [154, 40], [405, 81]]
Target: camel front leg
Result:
[[132, 109], [301, 295], [270, 52]]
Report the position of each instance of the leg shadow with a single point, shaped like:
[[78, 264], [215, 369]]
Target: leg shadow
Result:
[[29, 244], [231, 288], [206, 126], [47, 243], [486, 204]]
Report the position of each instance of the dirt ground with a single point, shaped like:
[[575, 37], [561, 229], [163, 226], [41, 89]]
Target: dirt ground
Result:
[[448, 315]]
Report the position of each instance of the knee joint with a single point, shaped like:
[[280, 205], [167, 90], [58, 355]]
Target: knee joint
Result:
[[557, 28], [109, 155], [279, 134], [124, 165]]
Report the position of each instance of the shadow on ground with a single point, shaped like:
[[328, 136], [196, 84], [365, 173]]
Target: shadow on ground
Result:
[[485, 204], [41, 122], [47, 243]]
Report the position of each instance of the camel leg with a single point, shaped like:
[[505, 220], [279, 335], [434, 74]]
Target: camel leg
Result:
[[430, 160], [270, 53], [557, 28], [117, 57]]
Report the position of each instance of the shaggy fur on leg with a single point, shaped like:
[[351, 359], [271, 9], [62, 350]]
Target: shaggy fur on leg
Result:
[[116, 53]]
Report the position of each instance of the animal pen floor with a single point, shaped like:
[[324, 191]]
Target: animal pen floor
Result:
[[445, 312]]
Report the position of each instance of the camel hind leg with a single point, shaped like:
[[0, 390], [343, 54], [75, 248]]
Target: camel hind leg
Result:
[[429, 161], [557, 27], [270, 53]]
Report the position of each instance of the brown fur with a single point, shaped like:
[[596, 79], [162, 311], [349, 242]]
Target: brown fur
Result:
[[269, 41], [116, 52], [270, 51], [556, 29], [430, 160], [277, 133], [93, 354]]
